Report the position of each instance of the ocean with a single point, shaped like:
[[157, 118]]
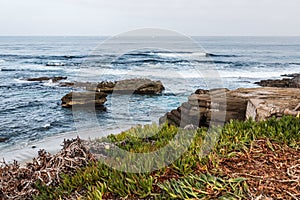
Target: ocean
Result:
[[31, 111]]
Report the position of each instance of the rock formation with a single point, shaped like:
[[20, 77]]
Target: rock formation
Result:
[[292, 82], [54, 79], [221, 105], [84, 98], [135, 86], [127, 86], [3, 139], [100, 90]]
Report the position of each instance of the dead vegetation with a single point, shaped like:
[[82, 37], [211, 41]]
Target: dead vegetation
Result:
[[19, 182]]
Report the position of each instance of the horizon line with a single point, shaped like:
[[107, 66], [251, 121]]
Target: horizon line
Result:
[[164, 35]]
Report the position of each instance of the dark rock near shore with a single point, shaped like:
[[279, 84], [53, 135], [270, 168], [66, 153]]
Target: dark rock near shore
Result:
[[291, 75], [127, 86], [84, 98], [132, 86], [54, 79], [66, 84], [292, 82], [3, 139], [221, 105]]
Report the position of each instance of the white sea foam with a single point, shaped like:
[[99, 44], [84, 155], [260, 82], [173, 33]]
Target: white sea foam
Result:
[[258, 74], [182, 55], [47, 68], [188, 73], [55, 64], [23, 81], [50, 83], [47, 125]]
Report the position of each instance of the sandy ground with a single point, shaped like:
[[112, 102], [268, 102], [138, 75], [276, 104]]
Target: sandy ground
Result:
[[25, 152]]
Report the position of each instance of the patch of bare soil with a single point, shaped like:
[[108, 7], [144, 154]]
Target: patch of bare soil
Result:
[[272, 170]]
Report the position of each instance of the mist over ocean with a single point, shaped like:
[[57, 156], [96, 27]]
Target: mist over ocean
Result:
[[31, 111]]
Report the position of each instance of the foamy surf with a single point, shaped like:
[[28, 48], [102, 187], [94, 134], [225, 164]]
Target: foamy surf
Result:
[[50, 83]]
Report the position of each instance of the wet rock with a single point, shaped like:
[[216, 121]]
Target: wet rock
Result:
[[53, 79], [3, 139], [84, 98], [66, 84], [291, 75], [221, 105], [127, 86], [132, 86], [292, 82]]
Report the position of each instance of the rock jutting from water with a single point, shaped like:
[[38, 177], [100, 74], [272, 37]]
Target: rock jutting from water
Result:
[[127, 86], [292, 82], [3, 139], [221, 105], [53, 79], [84, 98]]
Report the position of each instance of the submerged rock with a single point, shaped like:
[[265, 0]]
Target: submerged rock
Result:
[[53, 79], [127, 86], [84, 98], [292, 82], [221, 105]]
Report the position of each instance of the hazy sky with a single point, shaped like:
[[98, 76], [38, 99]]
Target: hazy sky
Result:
[[109, 17]]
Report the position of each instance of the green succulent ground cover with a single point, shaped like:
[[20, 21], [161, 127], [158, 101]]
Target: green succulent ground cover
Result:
[[194, 175]]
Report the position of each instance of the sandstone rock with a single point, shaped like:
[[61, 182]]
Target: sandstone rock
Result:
[[292, 82], [54, 79], [262, 109], [221, 105], [128, 86], [84, 98]]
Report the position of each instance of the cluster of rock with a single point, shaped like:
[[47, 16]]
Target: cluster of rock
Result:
[[292, 82], [204, 106], [221, 105], [127, 86], [97, 92]]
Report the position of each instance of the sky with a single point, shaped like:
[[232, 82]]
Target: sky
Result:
[[111, 17]]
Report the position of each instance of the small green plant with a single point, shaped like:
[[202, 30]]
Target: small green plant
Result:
[[204, 186]]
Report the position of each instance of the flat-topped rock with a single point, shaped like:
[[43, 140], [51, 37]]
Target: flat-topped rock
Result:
[[222, 105], [292, 82], [132, 86], [127, 86], [84, 98], [53, 79]]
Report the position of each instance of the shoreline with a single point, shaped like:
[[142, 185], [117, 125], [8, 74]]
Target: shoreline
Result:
[[26, 152], [220, 168]]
